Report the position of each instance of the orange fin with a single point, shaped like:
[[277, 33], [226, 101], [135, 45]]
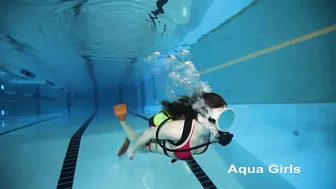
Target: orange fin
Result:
[[124, 147], [120, 111]]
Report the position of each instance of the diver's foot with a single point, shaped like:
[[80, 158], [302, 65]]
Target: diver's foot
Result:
[[120, 111]]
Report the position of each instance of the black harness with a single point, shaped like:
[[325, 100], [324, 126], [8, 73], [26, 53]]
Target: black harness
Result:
[[185, 134], [223, 139]]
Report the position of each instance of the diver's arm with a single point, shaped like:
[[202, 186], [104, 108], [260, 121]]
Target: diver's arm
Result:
[[214, 134], [208, 126], [211, 132], [144, 139], [171, 131]]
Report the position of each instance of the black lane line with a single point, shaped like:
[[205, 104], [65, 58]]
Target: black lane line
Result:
[[67, 174], [201, 176], [29, 125]]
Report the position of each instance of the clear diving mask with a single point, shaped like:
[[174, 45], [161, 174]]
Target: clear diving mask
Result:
[[223, 118], [228, 117]]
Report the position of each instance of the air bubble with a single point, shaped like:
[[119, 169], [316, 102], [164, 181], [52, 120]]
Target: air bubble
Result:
[[179, 74]]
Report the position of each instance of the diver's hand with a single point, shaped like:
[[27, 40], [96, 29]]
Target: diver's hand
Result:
[[213, 134], [212, 129], [130, 153], [202, 119]]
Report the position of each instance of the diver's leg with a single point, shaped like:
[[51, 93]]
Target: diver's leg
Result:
[[144, 139], [125, 146], [120, 111], [141, 143], [130, 133], [171, 131]]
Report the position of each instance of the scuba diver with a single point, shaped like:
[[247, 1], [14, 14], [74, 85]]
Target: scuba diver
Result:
[[180, 130], [177, 110]]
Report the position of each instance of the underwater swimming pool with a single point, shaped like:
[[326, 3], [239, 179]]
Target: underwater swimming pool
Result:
[[42, 155], [64, 64]]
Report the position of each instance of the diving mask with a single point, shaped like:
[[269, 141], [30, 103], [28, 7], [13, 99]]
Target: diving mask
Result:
[[226, 115]]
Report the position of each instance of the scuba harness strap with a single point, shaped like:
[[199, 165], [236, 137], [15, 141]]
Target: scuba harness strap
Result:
[[185, 134], [224, 138], [186, 131]]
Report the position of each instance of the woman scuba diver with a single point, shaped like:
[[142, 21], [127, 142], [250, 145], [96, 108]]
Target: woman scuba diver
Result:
[[177, 110], [179, 130]]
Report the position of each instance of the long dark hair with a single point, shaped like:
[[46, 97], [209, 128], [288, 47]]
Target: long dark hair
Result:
[[182, 107]]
